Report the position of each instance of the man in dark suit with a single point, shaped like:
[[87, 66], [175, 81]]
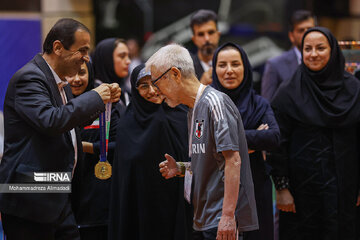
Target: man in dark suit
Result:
[[206, 38], [281, 68], [41, 133]]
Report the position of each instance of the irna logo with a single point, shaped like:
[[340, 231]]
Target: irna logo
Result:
[[52, 176]]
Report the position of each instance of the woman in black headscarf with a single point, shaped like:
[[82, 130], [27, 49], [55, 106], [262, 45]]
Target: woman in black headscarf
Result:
[[111, 64], [144, 205], [316, 173], [232, 74], [90, 195]]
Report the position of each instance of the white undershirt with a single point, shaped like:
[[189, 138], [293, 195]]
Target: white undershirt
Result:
[[60, 85], [205, 65]]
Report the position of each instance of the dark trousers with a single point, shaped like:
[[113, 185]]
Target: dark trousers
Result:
[[205, 235], [209, 235], [264, 206], [94, 233], [64, 228]]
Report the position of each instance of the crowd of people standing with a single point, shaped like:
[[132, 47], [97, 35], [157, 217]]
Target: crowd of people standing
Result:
[[194, 151]]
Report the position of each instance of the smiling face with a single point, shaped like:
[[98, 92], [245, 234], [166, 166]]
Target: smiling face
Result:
[[316, 51], [79, 82], [230, 68], [148, 91], [121, 60], [78, 53]]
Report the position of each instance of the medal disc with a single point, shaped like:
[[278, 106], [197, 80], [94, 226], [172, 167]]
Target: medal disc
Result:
[[103, 170]]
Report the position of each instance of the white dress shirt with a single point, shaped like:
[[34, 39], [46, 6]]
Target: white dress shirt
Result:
[[61, 84]]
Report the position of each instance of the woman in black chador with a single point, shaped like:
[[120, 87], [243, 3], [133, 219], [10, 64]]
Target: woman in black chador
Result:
[[316, 171], [143, 204], [232, 74]]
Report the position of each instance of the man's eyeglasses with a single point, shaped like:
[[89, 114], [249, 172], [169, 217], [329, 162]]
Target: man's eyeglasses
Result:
[[158, 79]]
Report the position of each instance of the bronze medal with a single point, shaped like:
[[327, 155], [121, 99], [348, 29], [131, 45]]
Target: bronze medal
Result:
[[103, 170]]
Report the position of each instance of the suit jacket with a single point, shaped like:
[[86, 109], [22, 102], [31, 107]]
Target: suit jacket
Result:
[[278, 70], [37, 137], [197, 65]]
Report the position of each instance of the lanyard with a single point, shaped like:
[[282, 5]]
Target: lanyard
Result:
[[199, 92], [104, 122]]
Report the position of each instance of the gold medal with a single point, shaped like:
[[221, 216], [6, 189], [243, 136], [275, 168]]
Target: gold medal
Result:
[[103, 170]]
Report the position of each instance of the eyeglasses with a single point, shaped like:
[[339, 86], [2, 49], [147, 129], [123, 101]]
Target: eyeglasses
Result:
[[158, 79]]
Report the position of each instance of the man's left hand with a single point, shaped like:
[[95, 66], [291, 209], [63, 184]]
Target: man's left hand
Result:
[[226, 228], [358, 200], [115, 92]]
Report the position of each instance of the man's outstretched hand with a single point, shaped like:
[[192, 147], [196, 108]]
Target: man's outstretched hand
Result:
[[169, 167]]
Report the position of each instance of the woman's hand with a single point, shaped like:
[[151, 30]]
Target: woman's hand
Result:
[[285, 201], [263, 127], [88, 147]]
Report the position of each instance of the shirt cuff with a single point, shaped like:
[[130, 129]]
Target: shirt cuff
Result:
[[281, 182]]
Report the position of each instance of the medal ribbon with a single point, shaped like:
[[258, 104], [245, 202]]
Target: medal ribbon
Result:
[[104, 125]]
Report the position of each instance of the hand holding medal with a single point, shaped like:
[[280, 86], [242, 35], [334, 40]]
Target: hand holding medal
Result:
[[103, 168]]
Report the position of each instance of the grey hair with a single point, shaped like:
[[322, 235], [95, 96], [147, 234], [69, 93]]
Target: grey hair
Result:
[[172, 55]]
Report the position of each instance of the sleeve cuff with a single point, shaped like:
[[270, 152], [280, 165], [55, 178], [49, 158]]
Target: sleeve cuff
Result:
[[281, 182]]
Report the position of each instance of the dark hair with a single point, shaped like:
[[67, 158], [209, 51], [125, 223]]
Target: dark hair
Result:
[[64, 31], [202, 16], [118, 41], [229, 47], [299, 16]]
